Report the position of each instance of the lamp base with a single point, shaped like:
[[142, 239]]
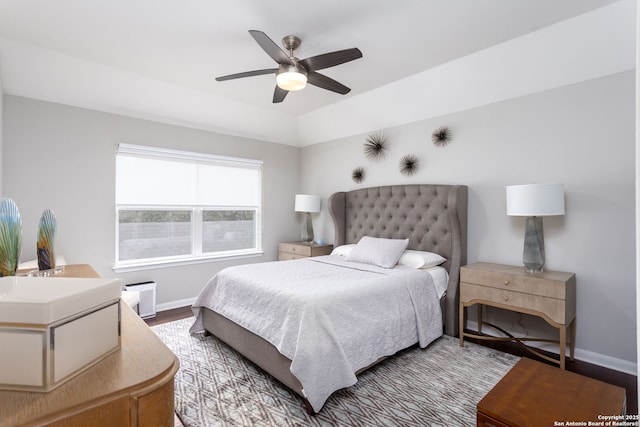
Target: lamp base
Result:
[[307, 229], [533, 253]]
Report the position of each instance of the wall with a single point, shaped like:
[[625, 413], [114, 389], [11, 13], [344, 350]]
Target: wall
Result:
[[63, 158], [580, 135]]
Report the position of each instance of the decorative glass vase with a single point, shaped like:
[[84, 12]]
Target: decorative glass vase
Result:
[[10, 237], [46, 240]]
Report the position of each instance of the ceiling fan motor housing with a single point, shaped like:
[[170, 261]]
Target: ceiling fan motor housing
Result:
[[296, 68]]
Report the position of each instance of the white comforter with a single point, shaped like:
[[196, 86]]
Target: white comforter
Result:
[[329, 316]]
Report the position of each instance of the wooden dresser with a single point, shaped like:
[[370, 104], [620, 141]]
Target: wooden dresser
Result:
[[295, 250], [132, 387]]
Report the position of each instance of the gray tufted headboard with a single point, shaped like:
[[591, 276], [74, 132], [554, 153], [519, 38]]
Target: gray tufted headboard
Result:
[[433, 218]]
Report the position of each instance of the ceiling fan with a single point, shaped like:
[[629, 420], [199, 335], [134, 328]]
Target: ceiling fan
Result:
[[292, 73]]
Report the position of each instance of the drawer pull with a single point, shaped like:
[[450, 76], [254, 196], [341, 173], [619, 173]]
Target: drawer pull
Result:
[[506, 298], [506, 282]]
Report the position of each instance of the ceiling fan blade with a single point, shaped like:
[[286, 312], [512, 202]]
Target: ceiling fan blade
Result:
[[247, 74], [279, 95], [272, 49], [331, 59], [327, 83]]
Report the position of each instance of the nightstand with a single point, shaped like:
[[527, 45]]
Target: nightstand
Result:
[[550, 295], [295, 250]]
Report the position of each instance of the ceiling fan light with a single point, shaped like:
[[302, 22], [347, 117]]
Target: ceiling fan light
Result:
[[291, 80]]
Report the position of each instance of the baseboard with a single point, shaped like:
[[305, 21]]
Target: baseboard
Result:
[[580, 354], [175, 304]]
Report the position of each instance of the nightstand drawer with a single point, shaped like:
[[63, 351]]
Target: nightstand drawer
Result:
[[304, 249], [293, 248], [554, 308], [284, 256], [550, 284]]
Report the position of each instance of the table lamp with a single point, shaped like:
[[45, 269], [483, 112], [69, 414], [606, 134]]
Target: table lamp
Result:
[[307, 203], [534, 201]]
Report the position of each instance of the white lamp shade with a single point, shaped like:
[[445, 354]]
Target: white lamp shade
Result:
[[535, 200], [307, 203]]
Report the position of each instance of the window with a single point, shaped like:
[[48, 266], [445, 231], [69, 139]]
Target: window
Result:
[[177, 206]]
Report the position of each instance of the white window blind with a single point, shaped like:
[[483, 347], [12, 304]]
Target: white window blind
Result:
[[176, 205], [167, 177]]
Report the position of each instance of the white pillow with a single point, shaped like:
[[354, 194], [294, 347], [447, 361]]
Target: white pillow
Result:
[[343, 250], [420, 259], [377, 251]]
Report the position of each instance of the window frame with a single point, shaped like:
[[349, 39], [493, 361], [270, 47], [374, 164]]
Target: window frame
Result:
[[196, 230]]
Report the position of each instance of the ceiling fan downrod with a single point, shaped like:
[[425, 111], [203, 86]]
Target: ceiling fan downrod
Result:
[[291, 43]]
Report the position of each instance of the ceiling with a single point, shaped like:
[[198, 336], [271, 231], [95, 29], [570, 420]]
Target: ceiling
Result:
[[190, 42]]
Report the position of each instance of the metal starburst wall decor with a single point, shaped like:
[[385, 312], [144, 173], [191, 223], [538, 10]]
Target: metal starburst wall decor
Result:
[[357, 175], [441, 136], [375, 148], [409, 164]]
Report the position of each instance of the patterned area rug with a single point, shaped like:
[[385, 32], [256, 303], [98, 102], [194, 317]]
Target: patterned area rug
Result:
[[436, 386]]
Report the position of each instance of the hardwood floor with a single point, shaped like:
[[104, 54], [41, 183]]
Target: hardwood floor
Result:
[[626, 381], [165, 317], [169, 315]]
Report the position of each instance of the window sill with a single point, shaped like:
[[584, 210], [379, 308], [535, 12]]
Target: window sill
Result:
[[127, 268]]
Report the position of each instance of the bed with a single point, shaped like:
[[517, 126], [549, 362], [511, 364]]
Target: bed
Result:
[[432, 218]]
